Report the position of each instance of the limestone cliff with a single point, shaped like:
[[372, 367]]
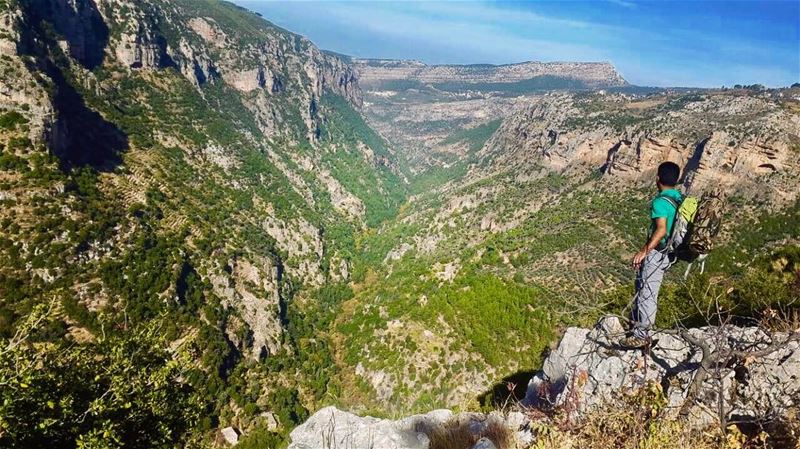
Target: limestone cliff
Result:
[[744, 142]]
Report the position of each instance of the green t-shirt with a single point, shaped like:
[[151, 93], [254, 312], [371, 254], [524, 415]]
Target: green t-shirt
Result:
[[663, 208]]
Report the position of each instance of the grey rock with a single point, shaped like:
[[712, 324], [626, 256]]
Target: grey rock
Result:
[[331, 428], [484, 443], [589, 369], [230, 435]]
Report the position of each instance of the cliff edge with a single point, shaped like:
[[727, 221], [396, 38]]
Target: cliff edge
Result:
[[703, 378]]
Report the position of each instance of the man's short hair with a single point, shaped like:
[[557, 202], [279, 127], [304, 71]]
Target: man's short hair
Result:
[[668, 173]]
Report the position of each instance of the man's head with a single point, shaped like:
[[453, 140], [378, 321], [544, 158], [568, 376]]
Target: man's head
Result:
[[668, 174]]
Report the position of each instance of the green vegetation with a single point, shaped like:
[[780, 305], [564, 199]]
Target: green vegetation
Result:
[[537, 83], [54, 395], [11, 119], [437, 176], [373, 181], [473, 137]]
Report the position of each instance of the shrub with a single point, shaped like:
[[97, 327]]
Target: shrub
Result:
[[11, 119]]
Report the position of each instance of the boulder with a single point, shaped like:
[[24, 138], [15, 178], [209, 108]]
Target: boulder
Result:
[[757, 374], [230, 435], [484, 443], [331, 427]]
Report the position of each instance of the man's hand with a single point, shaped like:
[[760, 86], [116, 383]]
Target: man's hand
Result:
[[658, 234], [639, 258]]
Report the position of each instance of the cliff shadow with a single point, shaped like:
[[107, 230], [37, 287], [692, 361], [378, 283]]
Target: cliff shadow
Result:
[[83, 136], [510, 390], [693, 164], [78, 135], [80, 23]]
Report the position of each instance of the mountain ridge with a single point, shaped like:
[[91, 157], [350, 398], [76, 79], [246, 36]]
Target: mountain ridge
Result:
[[374, 72]]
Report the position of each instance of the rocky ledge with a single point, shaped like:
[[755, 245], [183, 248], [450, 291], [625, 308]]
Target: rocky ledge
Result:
[[707, 375], [332, 428]]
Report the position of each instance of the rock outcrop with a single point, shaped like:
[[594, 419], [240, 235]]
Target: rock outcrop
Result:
[[738, 141], [745, 372], [750, 375], [333, 428]]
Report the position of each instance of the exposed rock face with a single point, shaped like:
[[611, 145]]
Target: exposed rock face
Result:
[[717, 140], [303, 243], [150, 35], [341, 199], [589, 369], [593, 74], [16, 92], [254, 290]]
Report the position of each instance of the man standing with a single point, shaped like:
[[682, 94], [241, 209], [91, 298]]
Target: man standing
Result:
[[652, 260]]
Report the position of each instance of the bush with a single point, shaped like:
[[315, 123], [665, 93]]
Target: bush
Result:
[[55, 395], [11, 119]]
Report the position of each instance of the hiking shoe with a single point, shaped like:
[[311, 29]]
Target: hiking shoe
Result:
[[634, 342]]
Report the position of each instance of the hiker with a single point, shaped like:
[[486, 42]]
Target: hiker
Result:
[[652, 261]]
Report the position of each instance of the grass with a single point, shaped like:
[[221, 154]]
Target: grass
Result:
[[458, 433], [638, 422]]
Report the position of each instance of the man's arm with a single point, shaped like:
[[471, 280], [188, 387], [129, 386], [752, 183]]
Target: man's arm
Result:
[[659, 233]]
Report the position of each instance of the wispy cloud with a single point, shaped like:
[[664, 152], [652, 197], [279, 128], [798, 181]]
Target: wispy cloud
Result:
[[652, 43], [623, 3]]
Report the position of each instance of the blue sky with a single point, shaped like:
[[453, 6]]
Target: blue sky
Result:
[[670, 43]]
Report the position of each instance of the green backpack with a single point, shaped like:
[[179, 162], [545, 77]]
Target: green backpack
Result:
[[696, 225]]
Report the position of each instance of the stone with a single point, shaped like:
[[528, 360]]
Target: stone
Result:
[[331, 427], [230, 435], [484, 443], [271, 421], [516, 420], [589, 369]]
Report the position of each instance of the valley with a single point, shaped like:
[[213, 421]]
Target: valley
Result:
[[225, 226]]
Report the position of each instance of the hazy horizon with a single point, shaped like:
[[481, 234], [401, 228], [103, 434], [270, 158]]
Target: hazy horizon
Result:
[[686, 44]]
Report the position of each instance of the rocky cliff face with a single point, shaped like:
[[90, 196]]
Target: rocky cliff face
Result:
[[594, 74], [742, 142], [706, 374]]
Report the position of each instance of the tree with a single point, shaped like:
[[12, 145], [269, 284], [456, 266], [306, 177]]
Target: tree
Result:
[[118, 389]]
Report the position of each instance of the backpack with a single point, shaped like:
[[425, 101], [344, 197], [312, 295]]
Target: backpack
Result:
[[695, 227]]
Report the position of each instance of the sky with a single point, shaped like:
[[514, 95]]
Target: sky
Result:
[[652, 43]]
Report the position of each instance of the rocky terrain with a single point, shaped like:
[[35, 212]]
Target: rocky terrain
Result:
[[753, 378]]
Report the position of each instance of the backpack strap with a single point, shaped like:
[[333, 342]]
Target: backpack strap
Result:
[[671, 201], [668, 246]]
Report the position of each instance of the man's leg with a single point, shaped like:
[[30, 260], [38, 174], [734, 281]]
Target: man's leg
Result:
[[648, 282]]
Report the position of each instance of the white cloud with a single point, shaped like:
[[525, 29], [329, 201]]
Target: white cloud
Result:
[[624, 3]]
